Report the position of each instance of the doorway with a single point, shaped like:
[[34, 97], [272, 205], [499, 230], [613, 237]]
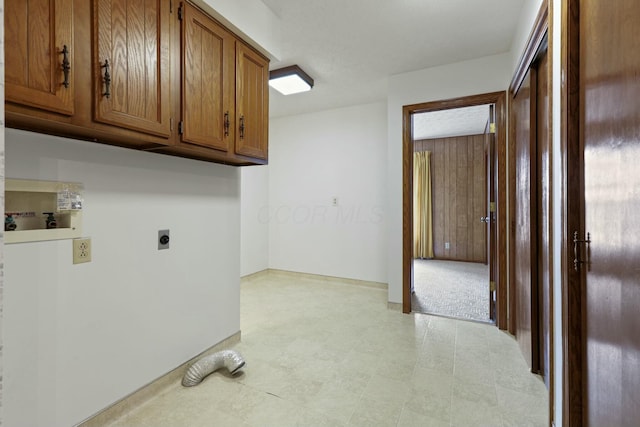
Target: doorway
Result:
[[451, 212], [497, 254], [455, 289]]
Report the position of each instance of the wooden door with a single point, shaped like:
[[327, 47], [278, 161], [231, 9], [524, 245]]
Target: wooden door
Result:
[[525, 219], [252, 103], [208, 79], [543, 214], [131, 64], [39, 54], [609, 123]]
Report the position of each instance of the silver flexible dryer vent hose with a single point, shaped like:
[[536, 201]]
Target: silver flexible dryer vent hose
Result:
[[230, 359]]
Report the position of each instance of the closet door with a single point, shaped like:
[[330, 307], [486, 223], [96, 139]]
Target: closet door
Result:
[[607, 247], [525, 220], [533, 216]]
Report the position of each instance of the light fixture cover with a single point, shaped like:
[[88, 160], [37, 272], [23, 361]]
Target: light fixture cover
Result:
[[290, 80]]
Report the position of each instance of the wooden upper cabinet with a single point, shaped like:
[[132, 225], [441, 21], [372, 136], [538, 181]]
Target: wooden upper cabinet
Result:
[[157, 75], [39, 69], [131, 65], [208, 73], [252, 103]]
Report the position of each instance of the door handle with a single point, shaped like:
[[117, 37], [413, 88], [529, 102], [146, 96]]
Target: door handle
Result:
[[66, 66], [485, 219], [107, 79], [576, 254]]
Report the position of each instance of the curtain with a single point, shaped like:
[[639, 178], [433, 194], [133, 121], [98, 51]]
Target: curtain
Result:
[[422, 207]]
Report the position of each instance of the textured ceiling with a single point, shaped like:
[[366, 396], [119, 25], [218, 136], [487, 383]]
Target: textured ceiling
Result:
[[350, 47], [453, 122]]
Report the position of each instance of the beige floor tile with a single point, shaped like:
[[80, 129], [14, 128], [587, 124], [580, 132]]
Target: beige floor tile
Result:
[[313, 368], [508, 359], [439, 363], [264, 377], [520, 380], [470, 353], [300, 390], [400, 370], [306, 418], [466, 413], [439, 348], [409, 418], [272, 411], [518, 404], [321, 352], [481, 393], [373, 413], [384, 389], [473, 371], [335, 402], [352, 381], [432, 382], [433, 405], [248, 405], [525, 420], [361, 361]]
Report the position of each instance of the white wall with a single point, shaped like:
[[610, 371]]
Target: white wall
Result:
[[254, 230], [483, 75], [528, 16], [251, 19], [79, 337], [312, 158]]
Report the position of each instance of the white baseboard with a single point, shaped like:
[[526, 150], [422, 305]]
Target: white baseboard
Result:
[[395, 306], [290, 274]]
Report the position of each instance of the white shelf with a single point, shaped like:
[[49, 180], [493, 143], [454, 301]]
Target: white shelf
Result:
[[28, 200], [21, 236]]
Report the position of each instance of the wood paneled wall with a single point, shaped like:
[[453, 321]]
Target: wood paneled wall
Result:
[[458, 179]]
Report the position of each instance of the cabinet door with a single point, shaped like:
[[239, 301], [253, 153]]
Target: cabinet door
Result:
[[131, 64], [36, 33], [208, 72], [252, 103]]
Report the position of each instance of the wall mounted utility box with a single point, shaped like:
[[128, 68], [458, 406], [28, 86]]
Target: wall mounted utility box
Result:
[[42, 210]]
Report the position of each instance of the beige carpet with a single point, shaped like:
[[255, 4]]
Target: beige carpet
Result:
[[451, 288]]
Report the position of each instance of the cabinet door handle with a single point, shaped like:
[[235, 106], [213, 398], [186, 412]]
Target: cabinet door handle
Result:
[[226, 123], [66, 66], [107, 79], [242, 127]]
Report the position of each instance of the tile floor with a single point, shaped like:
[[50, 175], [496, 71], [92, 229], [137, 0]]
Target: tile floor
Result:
[[321, 352]]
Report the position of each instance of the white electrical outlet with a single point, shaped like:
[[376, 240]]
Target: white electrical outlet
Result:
[[447, 245], [334, 201], [81, 250]]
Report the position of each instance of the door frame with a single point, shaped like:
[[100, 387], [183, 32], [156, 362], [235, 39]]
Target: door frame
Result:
[[499, 99]]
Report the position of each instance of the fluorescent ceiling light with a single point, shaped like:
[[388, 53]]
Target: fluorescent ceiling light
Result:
[[290, 80]]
